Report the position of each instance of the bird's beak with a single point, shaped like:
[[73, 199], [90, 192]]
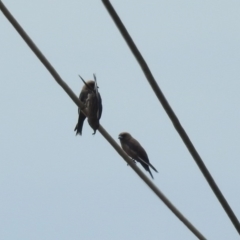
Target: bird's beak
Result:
[[119, 137]]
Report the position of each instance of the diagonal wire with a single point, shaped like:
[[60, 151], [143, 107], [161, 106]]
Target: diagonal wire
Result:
[[70, 93], [171, 114]]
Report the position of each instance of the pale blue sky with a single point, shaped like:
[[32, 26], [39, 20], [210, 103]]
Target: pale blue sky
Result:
[[54, 185]]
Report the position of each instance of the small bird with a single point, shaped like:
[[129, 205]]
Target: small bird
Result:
[[134, 150], [89, 87]]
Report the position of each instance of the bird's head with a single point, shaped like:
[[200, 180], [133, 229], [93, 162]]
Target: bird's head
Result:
[[124, 136], [90, 85]]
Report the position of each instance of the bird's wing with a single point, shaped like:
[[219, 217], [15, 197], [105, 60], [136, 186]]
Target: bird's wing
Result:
[[99, 113], [137, 150], [140, 159], [99, 99], [140, 154]]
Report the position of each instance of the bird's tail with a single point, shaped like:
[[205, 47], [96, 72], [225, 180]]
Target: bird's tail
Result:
[[79, 125], [149, 164], [153, 167], [150, 173], [146, 166]]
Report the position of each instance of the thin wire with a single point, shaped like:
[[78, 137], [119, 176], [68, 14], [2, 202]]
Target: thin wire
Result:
[[70, 93], [171, 114]]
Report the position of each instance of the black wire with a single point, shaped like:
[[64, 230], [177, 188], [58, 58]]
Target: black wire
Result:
[[105, 134], [171, 114]]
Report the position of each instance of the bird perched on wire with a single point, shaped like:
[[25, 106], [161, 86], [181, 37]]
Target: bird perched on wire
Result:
[[134, 150], [91, 98]]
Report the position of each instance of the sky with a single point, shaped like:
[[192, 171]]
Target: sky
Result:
[[55, 185]]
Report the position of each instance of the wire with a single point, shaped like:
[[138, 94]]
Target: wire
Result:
[[171, 114], [70, 93]]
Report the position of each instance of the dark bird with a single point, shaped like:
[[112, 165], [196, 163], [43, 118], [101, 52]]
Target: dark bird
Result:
[[89, 90], [134, 150]]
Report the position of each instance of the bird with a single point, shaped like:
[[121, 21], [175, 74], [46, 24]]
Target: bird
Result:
[[134, 150], [89, 88]]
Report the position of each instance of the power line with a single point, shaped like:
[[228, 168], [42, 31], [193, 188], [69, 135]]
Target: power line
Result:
[[171, 114], [70, 93]]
